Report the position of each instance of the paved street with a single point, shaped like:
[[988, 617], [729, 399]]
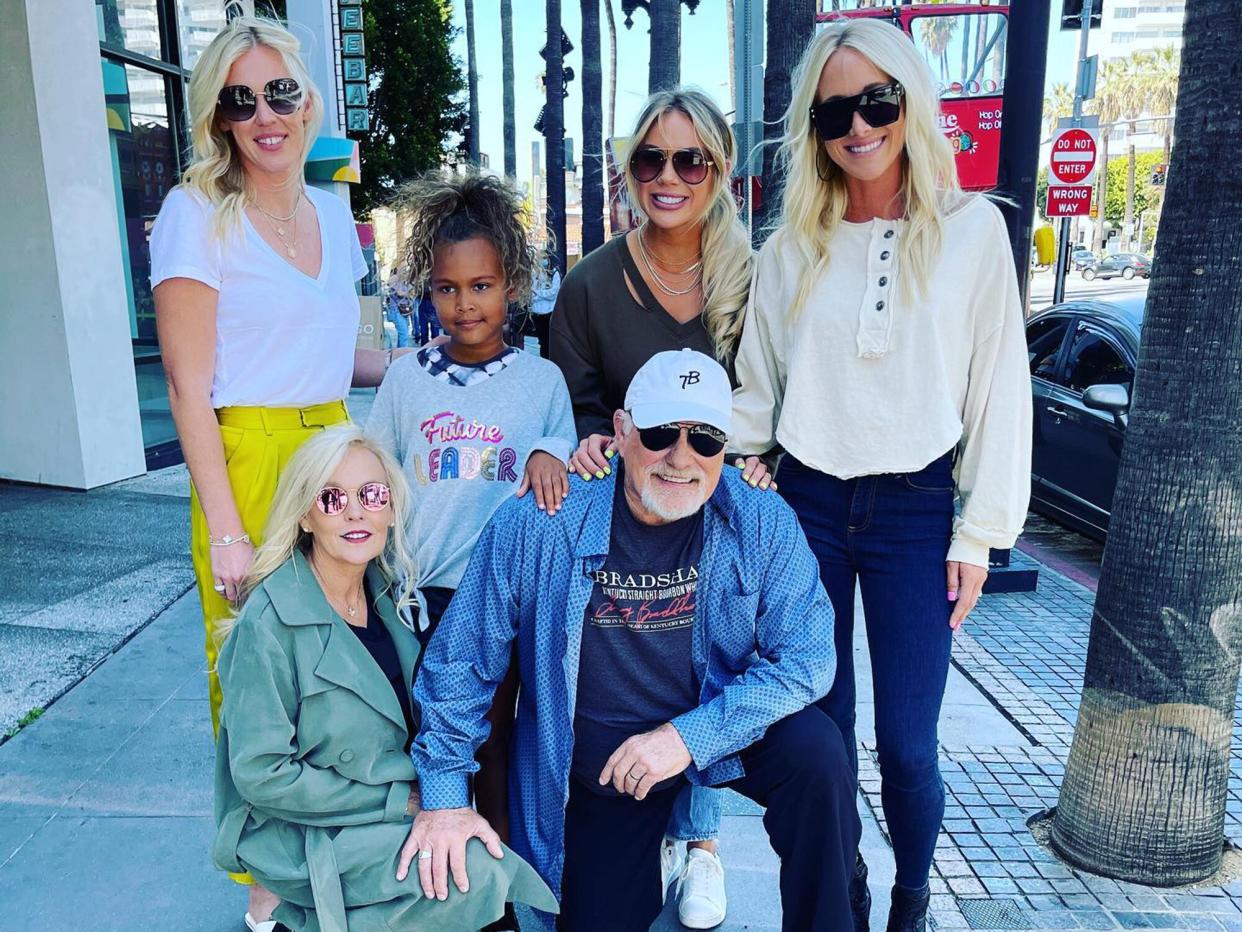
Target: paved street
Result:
[[1077, 288], [105, 800]]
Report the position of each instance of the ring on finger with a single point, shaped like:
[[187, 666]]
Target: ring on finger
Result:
[[424, 855], [219, 587]]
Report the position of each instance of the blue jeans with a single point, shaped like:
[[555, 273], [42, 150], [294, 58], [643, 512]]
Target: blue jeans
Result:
[[696, 814], [400, 321], [890, 533]]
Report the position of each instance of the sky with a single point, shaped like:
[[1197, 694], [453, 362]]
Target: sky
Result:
[[704, 63]]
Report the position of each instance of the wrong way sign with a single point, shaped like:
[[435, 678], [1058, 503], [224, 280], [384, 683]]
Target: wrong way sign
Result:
[[1068, 200], [1074, 155]]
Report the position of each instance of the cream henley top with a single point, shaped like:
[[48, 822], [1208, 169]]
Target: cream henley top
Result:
[[866, 382]]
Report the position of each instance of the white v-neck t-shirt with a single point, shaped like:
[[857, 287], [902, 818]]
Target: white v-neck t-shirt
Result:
[[283, 338]]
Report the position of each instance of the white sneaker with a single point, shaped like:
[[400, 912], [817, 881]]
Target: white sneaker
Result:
[[670, 865], [703, 903]]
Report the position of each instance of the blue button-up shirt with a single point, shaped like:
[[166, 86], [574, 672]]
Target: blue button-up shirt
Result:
[[762, 648]]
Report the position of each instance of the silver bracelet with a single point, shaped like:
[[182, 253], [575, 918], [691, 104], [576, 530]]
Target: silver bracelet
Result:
[[228, 540], [388, 364]]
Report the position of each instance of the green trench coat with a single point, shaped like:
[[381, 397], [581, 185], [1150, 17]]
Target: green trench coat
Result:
[[312, 777]]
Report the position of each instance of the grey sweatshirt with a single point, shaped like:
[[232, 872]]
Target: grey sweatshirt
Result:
[[464, 450]]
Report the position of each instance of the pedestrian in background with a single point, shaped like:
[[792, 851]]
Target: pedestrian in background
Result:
[[315, 789], [679, 281], [397, 305], [884, 352], [253, 275], [472, 420]]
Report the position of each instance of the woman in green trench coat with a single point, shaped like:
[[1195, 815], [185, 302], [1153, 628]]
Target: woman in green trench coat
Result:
[[315, 790]]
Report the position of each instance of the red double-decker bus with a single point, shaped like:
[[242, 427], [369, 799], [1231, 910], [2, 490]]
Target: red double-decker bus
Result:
[[964, 46]]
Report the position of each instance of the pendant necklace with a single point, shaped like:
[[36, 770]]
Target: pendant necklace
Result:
[[277, 225], [351, 610]]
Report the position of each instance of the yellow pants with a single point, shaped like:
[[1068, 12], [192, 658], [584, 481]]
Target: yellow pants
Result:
[[257, 444]]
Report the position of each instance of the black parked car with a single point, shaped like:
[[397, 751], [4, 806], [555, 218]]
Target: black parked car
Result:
[[1125, 264], [1082, 356]]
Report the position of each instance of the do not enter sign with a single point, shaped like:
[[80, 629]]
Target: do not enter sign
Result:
[[1073, 157]]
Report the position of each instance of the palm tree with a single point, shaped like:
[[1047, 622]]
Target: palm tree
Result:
[[1057, 105], [664, 64], [1133, 105], [1160, 73], [1108, 103], [784, 48], [937, 36], [731, 38], [472, 80], [1146, 782], [592, 131], [612, 70], [506, 56], [554, 131]]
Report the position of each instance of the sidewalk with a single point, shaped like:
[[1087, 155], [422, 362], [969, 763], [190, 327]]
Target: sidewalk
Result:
[[105, 800]]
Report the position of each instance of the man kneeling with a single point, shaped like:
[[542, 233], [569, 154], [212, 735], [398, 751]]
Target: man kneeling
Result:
[[670, 626]]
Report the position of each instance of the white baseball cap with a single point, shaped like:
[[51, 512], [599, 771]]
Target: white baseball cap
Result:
[[680, 385]]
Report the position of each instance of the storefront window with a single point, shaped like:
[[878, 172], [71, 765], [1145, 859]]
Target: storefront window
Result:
[[198, 21], [144, 170], [133, 25]]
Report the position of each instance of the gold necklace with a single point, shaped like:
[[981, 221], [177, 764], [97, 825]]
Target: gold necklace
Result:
[[351, 610], [660, 283], [664, 263], [276, 223]]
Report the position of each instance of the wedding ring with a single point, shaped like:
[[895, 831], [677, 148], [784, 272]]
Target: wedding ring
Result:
[[424, 855], [219, 587]]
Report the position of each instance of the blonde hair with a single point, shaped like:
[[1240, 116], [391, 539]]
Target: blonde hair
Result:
[[727, 256], [215, 171], [814, 198], [308, 471]]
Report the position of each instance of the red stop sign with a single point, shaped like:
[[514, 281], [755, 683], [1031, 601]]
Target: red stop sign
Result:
[[1073, 156]]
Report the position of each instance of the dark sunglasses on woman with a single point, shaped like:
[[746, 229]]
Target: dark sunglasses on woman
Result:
[[239, 104], [373, 496], [879, 106], [647, 164], [704, 440]]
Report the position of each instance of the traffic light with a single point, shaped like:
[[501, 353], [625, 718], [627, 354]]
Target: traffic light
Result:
[[1159, 174], [1071, 13]]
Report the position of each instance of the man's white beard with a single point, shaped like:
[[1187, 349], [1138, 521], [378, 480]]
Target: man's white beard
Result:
[[669, 504]]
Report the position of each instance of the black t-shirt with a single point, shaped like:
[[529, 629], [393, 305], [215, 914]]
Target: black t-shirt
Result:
[[635, 671], [378, 642]]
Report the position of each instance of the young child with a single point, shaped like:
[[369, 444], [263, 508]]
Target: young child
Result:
[[472, 420]]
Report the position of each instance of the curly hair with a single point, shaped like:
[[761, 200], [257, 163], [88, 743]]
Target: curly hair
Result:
[[452, 208]]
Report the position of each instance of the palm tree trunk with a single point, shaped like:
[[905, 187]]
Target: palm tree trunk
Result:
[[506, 56], [1097, 239], [612, 70], [554, 131], [1130, 166], [472, 81], [732, 39], [784, 48], [664, 65], [592, 131], [1144, 793]]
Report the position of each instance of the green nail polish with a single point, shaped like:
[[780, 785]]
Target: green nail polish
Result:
[[599, 474], [610, 453], [586, 478], [753, 483], [608, 470]]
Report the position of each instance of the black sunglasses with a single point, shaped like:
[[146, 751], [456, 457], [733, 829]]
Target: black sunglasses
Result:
[[879, 106], [238, 102], [704, 440], [647, 164]]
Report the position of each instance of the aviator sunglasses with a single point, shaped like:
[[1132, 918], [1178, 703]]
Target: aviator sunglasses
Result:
[[332, 500], [238, 102], [704, 440], [647, 164], [879, 106]]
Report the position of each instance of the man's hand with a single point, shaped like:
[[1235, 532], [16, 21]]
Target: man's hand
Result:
[[965, 585], [444, 833], [646, 759]]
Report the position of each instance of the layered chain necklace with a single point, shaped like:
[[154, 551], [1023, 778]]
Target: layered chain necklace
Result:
[[350, 610], [278, 225], [694, 271]]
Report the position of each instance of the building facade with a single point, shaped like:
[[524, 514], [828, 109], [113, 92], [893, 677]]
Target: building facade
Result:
[[95, 106]]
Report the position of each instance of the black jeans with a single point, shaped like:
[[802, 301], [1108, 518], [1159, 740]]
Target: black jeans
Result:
[[798, 771]]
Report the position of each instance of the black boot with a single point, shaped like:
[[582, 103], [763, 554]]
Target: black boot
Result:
[[909, 910], [506, 923], [860, 897]]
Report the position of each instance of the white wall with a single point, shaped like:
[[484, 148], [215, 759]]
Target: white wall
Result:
[[68, 400]]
